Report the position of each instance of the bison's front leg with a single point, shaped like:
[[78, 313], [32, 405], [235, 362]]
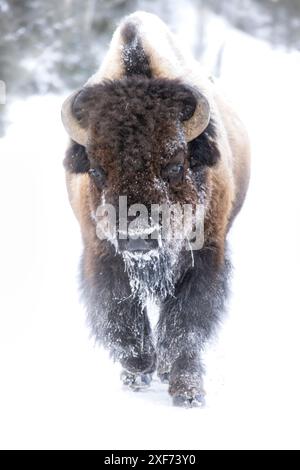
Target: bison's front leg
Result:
[[186, 321], [117, 319]]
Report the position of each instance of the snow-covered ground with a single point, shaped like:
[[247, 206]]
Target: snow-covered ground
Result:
[[59, 390]]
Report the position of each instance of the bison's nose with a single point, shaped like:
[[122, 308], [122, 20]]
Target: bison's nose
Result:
[[138, 244]]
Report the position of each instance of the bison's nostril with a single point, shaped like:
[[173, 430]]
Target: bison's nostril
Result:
[[138, 244]]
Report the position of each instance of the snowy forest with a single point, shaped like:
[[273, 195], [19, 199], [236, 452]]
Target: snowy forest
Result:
[[58, 389], [48, 46]]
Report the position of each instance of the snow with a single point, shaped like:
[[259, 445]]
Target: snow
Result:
[[58, 389]]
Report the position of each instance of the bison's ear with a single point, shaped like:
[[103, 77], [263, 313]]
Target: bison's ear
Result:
[[76, 159]]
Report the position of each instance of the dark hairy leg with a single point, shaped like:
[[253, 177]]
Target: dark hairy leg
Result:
[[186, 321], [117, 319]]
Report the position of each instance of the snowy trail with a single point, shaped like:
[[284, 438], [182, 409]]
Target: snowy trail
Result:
[[60, 391]]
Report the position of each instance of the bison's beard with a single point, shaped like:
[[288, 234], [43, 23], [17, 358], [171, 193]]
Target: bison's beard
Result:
[[152, 274]]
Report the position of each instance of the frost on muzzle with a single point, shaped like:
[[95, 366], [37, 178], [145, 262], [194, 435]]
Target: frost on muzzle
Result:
[[136, 228]]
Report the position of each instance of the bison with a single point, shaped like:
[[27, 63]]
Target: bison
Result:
[[151, 128]]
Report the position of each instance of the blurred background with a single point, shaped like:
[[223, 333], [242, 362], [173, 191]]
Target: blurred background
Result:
[[58, 390], [48, 46]]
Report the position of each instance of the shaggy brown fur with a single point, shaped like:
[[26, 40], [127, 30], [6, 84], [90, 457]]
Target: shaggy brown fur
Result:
[[134, 128], [135, 134]]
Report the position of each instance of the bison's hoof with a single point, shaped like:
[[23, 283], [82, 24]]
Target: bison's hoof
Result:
[[186, 401], [137, 381]]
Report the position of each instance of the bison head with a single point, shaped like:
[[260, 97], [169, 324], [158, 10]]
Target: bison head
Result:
[[132, 123]]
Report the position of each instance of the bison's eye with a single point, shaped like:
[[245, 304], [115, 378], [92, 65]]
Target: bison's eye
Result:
[[98, 175], [173, 173], [175, 170]]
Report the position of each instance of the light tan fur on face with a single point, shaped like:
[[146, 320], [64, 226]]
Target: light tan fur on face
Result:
[[78, 186]]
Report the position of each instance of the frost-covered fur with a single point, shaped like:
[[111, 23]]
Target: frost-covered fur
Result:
[[134, 121], [151, 273]]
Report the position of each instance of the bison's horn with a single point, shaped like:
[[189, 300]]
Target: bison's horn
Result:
[[71, 123], [199, 121]]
